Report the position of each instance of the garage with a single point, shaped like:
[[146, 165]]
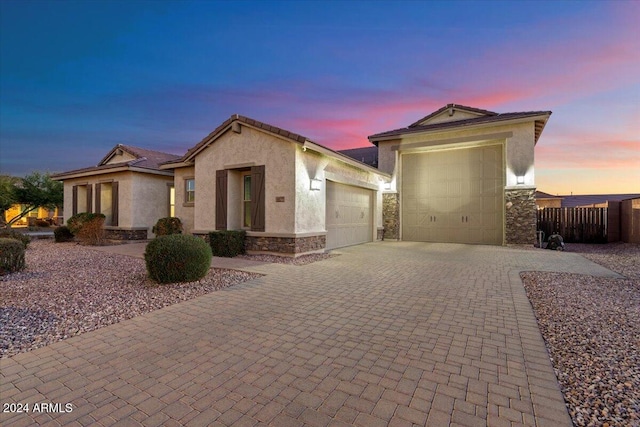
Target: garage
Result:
[[453, 196], [349, 215]]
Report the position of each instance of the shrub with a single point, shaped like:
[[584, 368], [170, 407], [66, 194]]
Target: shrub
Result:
[[42, 223], [92, 231], [177, 258], [62, 234], [11, 256], [76, 222], [228, 243], [166, 226], [11, 234]]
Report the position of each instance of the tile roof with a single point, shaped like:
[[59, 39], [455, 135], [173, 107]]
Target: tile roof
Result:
[[457, 106], [242, 119], [144, 159], [491, 117], [366, 155], [594, 199]]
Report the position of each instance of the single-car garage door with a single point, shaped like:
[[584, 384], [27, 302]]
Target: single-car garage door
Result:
[[349, 216], [453, 196]]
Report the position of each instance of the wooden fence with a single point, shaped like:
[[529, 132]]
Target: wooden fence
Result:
[[575, 225]]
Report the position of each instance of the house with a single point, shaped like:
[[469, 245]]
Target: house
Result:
[[546, 200], [292, 195], [463, 175], [460, 174], [53, 216], [127, 186]]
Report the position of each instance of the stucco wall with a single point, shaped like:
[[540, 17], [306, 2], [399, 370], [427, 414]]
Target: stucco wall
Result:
[[310, 205], [182, 210], [236, 150], [519, 147], [151, 196], [125, 214]]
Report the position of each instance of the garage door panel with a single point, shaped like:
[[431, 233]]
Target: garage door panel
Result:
[[461, 199], [349, 215]]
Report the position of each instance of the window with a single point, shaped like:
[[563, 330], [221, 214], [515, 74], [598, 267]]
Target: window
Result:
[[246, 200], [172, 201], [82, 198], [190, 190]]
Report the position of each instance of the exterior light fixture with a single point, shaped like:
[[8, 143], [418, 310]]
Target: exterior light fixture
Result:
[[520, 179], [387, 186], [315, 184]]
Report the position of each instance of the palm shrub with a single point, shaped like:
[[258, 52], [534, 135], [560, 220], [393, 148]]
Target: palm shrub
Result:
[[177, 258], [168, 225], [11, 256]]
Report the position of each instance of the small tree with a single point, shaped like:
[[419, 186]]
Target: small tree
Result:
[[37, 190], [7, 196]]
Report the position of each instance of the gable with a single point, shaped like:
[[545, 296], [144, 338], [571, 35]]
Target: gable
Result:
[[452, 113], [119, 156]]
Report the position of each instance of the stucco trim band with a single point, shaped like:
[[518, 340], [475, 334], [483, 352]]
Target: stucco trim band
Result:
[[472, 138]]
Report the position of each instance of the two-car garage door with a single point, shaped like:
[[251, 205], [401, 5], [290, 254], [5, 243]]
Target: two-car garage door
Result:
[[453, 196], [349, 215]]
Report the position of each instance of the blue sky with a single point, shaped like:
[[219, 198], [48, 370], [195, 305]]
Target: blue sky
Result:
[[78, 77]]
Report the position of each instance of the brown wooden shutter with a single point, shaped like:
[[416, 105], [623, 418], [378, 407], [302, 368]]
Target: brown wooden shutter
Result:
[[74, 198], [257, 198], [98, 191], [114, 203], [89, 197], [221, 199]]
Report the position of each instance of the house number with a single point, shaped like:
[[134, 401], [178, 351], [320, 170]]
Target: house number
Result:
[[279, 199]]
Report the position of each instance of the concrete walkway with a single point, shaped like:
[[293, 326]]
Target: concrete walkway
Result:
[[387, 334]]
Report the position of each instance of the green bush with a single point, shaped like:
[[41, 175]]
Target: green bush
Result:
[[16, 235], [228, 243], [11, 256], [76, 222], [62, 234], [177, 258], [166, 226]]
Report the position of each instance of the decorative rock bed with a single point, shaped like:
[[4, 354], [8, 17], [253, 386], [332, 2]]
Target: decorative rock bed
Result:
[[591, 327], [68, 289]]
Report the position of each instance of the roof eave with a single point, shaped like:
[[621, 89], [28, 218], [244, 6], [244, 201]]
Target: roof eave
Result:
[[342, 157], [541, 118]]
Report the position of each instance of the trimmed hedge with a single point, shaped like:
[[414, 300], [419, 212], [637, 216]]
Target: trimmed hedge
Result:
[[62, 234], [11, 256], [227, 243], [177, 258], [168, 225], [16, 235]]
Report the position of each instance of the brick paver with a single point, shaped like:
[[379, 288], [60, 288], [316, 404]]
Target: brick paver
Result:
[[392, 333]]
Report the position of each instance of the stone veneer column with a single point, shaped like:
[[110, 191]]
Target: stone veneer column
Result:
[[520, 216], [391, 215]]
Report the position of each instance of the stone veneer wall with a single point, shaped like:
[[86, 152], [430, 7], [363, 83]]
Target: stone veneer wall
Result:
[[520, 216], [124, 234], [285, 245], [391, 215]]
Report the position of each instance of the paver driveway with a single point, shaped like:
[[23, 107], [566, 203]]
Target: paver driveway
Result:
[[390, 333]]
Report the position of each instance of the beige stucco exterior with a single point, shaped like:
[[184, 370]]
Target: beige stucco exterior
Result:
[[292, 209], [143, 198], [518, 140]]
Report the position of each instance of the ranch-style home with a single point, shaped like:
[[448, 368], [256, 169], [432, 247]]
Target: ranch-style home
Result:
[[460, 174]]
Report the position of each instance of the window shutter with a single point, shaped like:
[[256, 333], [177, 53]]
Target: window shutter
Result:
[[98, 210], [221, 199], [257, 198], [74, 198], [114, 203], [89, 197]]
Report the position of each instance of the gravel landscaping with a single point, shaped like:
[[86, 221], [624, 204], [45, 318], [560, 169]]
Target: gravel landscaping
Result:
[[591, 327], [68, 289]]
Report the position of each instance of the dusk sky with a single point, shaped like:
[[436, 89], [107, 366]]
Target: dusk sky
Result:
[[78, 77]]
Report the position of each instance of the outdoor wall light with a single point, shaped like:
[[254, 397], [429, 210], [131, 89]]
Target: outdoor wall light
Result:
[[315, 184], [387, 186], [520, 179]]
